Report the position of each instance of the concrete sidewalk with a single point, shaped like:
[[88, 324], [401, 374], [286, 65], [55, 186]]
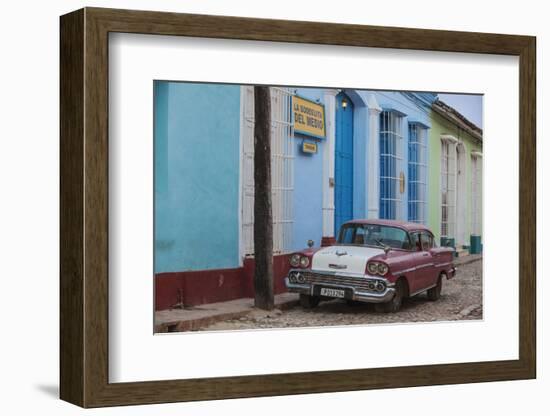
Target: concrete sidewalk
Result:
[[195, 317]]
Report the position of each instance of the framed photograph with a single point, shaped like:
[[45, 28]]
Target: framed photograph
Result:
[[255, 207]]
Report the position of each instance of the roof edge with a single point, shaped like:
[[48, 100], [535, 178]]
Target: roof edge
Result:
[[455, 117]]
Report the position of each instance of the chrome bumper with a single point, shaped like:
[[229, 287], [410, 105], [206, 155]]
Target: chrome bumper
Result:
[[361, 296]]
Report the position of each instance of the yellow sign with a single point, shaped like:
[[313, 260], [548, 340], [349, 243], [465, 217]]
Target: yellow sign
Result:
[[309, 117], [309, 147]]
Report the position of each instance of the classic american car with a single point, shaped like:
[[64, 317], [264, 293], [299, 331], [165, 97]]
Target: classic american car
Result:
[[374, 261]]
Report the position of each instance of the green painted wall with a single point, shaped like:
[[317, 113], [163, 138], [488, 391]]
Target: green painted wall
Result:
[[442, 126]]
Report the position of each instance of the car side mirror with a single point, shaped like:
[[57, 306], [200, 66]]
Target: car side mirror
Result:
[[310, 243]]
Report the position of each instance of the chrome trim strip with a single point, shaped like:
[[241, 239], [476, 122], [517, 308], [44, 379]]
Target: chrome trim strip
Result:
[[341, 274], [422, 290], [412, 269]]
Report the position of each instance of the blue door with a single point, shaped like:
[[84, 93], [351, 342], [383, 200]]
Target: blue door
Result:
[[343, 166]]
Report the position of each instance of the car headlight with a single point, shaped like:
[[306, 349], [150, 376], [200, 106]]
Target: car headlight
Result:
[[304, 262], [292, 277], [382, 269], [375, 285], [372, 268], [296, 277], [377, 268], [295, 260]]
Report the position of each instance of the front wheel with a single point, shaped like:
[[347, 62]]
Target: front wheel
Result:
[[395, 304], [309, 302], [435, 292]]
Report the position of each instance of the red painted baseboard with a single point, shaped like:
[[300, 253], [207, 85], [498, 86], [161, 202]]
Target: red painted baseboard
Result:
[[208, 286]]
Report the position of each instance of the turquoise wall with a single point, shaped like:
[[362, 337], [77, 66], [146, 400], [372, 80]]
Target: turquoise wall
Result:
[[197, 157]]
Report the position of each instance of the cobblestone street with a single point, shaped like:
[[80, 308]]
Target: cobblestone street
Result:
[[461, 299]]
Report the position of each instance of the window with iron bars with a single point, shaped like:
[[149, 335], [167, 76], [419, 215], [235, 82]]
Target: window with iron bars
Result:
[[391, 158], [282, 169], [417, 173], [448, 186]]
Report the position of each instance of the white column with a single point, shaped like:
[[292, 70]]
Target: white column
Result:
[[328, 163], [373, 158]]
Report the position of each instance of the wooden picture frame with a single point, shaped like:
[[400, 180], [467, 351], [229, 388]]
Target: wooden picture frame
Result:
[[84, 207]]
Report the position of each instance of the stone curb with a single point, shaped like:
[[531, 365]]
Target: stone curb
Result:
[[468, 260], [196, 324]]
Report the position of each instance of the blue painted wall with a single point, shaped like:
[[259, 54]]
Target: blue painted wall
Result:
[[197, 157], [308, 185]]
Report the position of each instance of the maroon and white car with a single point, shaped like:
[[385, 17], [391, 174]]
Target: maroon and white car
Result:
[[376, 261]]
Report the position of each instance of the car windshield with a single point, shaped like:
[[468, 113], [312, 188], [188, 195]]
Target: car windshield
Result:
[[374, 235]]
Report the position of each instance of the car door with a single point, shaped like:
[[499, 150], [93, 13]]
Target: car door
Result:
[[422, 263], [419, 263], [429, 272]]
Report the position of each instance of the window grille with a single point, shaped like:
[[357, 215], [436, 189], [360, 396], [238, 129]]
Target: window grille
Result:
[[391, 158], [477, 163], [282, 170], [448, 186], [417, 173]]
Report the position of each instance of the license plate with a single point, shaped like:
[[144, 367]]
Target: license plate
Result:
[[333, 293]]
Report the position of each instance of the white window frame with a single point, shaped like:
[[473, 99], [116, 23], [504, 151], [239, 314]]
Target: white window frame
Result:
[[393, 128], [477, 192], [419, 141], [282, 170], [448, 186]]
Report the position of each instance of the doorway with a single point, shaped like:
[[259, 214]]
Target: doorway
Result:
[[343, 166]]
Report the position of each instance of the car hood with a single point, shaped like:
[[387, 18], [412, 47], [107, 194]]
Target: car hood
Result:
[[344, 259]]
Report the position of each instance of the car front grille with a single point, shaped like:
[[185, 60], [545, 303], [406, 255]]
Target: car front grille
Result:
[[335, 280]]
